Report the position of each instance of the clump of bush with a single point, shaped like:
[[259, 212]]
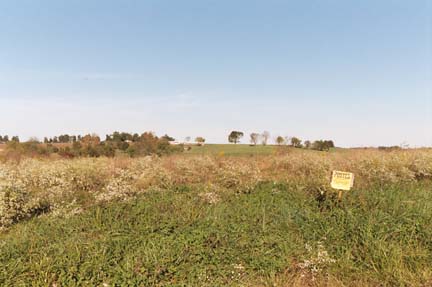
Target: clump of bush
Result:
[[92, 146]]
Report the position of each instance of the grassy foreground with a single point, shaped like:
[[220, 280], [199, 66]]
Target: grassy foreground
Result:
[[274, 235]]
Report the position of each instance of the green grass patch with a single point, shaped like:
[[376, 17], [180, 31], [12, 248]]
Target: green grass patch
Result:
[[247, 150], [232, 150], [274, 235]]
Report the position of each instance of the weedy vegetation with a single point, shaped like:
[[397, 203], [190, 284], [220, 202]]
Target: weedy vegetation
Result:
[[213, 220]]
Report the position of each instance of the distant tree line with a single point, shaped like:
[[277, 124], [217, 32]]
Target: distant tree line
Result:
[[91, 145], [63, 139], [263, 138], [5, 139], [145, 144]]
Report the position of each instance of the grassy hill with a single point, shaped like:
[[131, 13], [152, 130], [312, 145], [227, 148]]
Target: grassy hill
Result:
[[246, 150], [232, 149]]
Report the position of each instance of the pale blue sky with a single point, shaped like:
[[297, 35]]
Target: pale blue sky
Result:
[[358, 72]]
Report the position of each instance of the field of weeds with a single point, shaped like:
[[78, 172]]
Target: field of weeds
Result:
[[215, 220]]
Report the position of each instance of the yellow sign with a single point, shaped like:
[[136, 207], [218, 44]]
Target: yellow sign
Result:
[[342, 180]]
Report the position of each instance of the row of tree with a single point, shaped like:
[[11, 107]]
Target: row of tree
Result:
[[114, 137], [264, 137], [5, 139], [63, 139], [91, 145]]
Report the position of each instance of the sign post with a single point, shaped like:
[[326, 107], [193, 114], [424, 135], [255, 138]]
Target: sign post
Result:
[[342, 181]]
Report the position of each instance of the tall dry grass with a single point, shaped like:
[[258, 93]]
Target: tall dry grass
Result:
[[64, 187]]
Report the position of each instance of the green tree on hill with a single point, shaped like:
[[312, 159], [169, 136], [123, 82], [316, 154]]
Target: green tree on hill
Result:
[[235, 136], [296, 142], [323, 145], [280, 140]]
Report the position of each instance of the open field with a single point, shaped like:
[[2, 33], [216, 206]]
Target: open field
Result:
[[214, 220], [246, 150], [232, 149]]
